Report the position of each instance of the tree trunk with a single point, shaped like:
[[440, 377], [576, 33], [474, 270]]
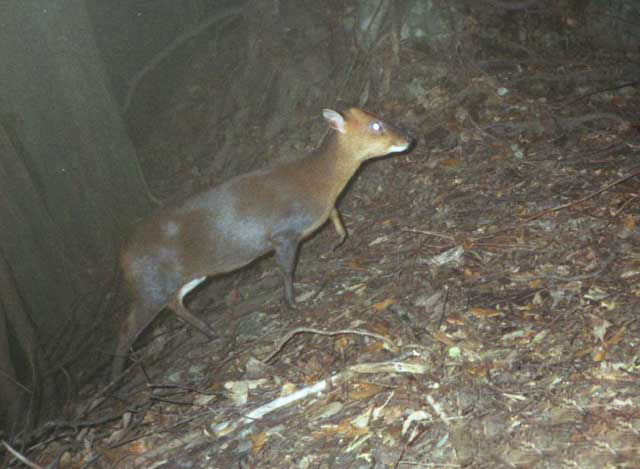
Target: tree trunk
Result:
[[70, 185]]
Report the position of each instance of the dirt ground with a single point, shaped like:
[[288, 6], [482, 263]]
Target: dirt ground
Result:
[[483, 313]]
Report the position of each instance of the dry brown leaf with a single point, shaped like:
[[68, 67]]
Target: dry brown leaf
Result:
[[374, 347], [482, 313], [630, 222], [381, 328], [392, 414], [455, 319], [257, 440], [522, 276], [526, 337], [382, 305], [441, 337], [599, 354], [341, 344], [313, 367], [154, 418], [479, 369], [365, 390], [439, 199], [344, 428], [583, 352], [599, 327], [450, 162], [615, 338], [138, 447], [535, 283]]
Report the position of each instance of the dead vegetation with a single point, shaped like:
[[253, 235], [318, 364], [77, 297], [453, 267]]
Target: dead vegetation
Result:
[[483, 312]]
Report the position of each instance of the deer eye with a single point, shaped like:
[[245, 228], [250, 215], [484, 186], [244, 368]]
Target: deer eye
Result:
[[376, 127]]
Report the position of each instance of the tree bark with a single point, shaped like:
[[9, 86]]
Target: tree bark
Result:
[[70, 184]]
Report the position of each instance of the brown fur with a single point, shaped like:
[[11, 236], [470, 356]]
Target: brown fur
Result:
[[229, 226]]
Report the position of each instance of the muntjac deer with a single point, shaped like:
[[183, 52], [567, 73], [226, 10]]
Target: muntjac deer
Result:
[[230, 225]]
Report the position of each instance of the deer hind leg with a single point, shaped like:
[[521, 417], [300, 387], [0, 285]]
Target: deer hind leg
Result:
[[178, 307], [142, 314], [139, 317], [334, 216]]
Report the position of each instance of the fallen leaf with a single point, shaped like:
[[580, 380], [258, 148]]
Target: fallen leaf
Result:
[[455, 319], [630, 222], [484, 313], [616, 337], [535, 283], [344, 428], [363, 391], [341, 344], [600, 327], [479, 369], [599, 354], [450, 162], [440, 337], [139, 447], [382, 305], [257, 440]]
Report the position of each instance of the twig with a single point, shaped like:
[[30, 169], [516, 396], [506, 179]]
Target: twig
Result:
[[560, 207], [308, 330], [613, 88], [227, 427], [430, 233], [562, 278], [582, 199], [444, 307], [20, 457]]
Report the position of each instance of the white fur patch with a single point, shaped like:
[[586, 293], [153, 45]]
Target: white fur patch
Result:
[[247, 230], [187, 287], [395, 148]]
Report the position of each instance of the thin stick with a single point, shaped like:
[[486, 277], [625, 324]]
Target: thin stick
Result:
[[583, 199], [20, 457], [308, 330], [561, 207]]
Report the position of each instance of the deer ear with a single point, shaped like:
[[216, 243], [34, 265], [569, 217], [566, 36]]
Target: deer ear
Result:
[[334, 119]]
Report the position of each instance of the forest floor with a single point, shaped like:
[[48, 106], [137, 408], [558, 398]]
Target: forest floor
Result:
[[483, 313]]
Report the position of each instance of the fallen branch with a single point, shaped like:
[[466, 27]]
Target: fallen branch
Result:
[[199, 437], [580, 200], [557, 208], [308, 330], [227, 427]]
